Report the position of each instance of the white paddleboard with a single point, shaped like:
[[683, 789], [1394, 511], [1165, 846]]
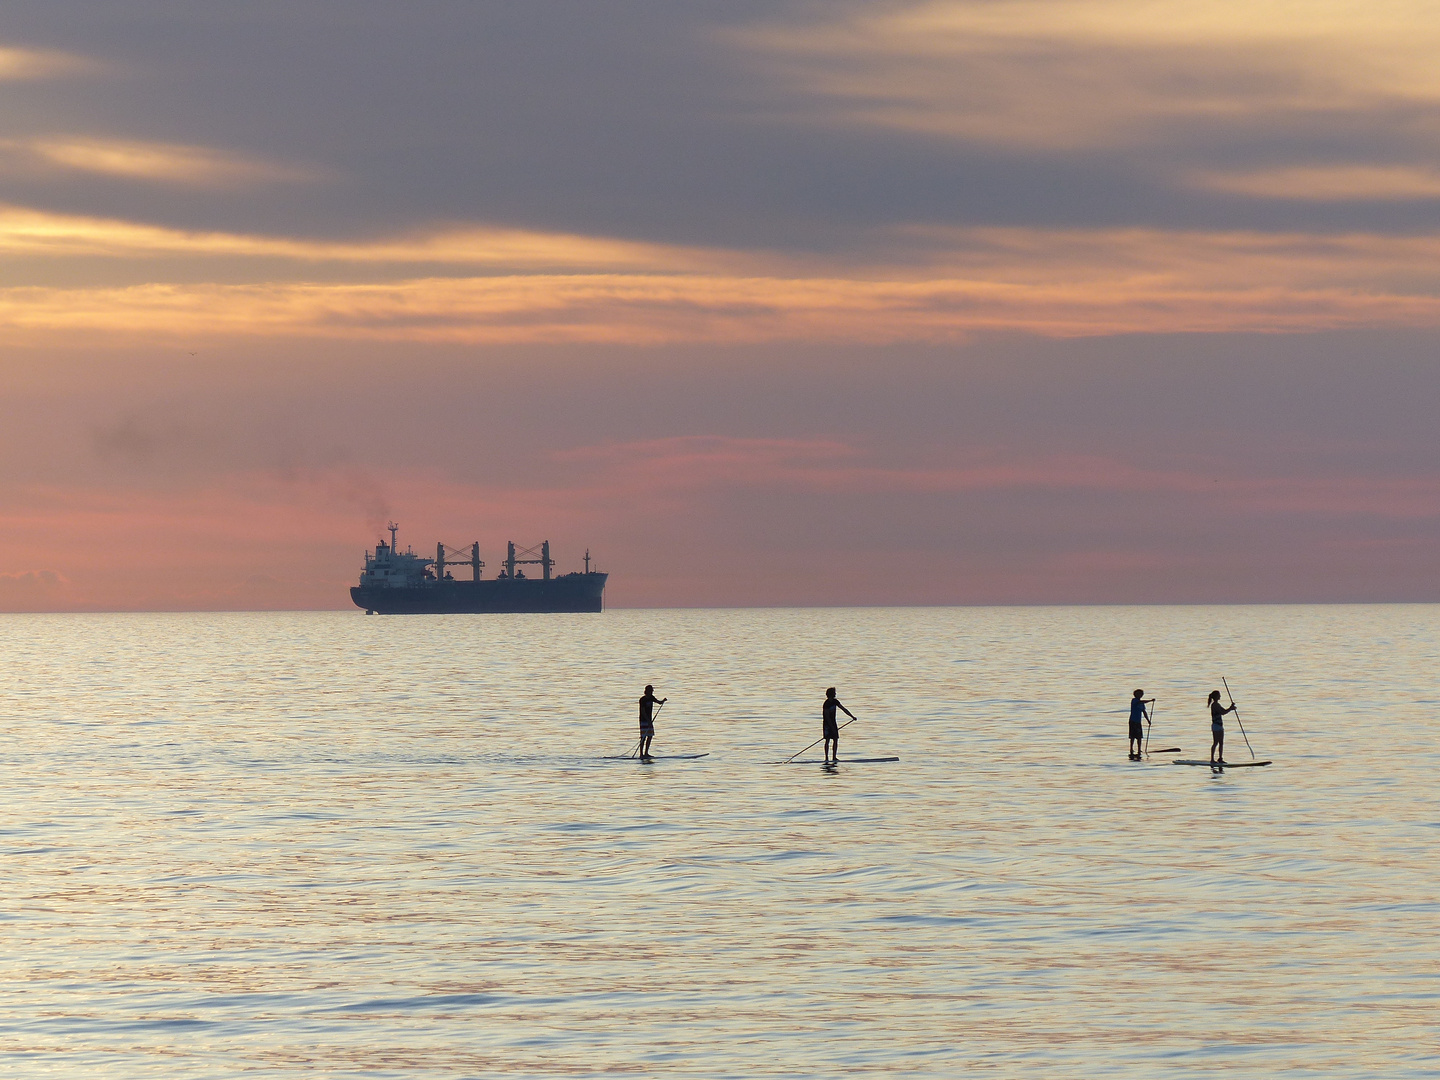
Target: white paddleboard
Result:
[[1225, 765], [842, 761], [654, 757]]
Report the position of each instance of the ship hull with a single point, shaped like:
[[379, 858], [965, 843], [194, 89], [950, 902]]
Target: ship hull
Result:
[[568, 593]]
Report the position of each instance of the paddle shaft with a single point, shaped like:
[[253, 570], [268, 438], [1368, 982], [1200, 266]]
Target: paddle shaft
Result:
[[818, 741], [1149, 724], [1236, 710]]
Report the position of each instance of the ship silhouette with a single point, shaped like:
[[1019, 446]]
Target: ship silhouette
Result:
[[396, 582]]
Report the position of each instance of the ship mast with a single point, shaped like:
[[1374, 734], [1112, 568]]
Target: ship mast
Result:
[[393, 529]]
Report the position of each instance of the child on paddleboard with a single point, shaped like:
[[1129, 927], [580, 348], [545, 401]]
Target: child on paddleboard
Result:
[[648, 701], [1137, 722], [1217, 727], [829, 728]]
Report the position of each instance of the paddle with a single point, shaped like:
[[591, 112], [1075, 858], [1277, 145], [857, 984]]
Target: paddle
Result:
[[1236, 710], [1150, 721], [818, 741]]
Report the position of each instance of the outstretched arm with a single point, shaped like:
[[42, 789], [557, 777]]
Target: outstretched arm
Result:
[[846, 711]]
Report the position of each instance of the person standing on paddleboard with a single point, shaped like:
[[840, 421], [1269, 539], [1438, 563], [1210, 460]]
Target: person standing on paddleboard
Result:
[[1217, 726], [829, 728], [648, 701], [1137, 722]]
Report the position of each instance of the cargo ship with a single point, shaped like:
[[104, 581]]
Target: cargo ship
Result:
[[396, 582]]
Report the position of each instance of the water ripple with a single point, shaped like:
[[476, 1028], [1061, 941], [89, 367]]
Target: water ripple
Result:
[[323, 845]]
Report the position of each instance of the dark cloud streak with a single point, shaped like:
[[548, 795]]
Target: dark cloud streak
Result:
[[636, 119]]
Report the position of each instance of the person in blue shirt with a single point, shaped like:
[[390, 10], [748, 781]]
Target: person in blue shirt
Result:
[[1137, 722], [1217, 727]]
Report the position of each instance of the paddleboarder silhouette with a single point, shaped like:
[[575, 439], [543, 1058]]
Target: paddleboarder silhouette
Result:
[[1137, 723], [829, 728], [1217, 726], [648, 701]]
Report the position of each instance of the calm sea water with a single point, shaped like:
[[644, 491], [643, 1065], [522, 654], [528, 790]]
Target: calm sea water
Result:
[[322, 844]]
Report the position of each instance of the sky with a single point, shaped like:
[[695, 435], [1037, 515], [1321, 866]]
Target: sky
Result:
[[781, 303]]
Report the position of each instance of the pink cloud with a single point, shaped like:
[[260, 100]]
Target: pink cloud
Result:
[[717, 520], [32, 590], [690, 463]]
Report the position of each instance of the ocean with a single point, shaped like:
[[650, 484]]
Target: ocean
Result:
[[326, 845]]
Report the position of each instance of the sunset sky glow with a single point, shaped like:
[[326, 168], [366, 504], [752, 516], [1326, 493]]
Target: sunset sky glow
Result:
[[952, 301]]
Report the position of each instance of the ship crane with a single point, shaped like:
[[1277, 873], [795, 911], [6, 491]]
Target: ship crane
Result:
[[473, 561], [536, 557]]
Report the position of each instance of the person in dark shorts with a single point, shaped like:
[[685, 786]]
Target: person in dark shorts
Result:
[[648, 701], [1217, 727], [829, 728], [1137, 723]]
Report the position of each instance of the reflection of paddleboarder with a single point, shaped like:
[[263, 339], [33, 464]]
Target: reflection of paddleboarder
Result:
[[647, 718], [829, 728], [1137, 723], [1217, 726]]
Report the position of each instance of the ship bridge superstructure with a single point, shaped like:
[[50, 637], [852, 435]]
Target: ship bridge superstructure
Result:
[[390, 568]]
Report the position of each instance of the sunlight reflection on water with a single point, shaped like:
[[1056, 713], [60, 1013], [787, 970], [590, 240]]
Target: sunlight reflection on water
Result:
[[320, 843]]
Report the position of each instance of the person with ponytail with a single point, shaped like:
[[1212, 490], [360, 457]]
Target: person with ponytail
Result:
[[1217, 727]]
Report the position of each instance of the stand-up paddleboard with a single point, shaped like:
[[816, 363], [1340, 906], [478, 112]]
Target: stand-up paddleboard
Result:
[[1225, 764], [842, 761], [653, 757], [1167, 750]]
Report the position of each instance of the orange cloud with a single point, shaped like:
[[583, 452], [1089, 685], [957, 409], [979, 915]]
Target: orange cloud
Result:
[[24, 231], [1335, 183], [911, 284], [651, 309], [17, 64], [167, 162], [1072, 73]]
